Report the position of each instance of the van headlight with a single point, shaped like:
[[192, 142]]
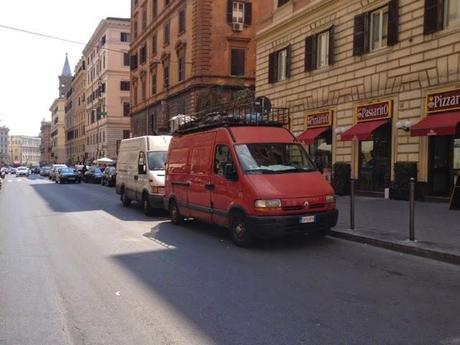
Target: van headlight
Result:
[[330, 198], [275, 203]]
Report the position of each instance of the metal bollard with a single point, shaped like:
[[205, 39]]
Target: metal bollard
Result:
[[352, 204], [412, 209]]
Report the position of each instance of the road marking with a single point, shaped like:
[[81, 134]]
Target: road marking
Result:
[[118, 293]]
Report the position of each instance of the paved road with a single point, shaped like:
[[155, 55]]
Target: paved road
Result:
[[77, 268]]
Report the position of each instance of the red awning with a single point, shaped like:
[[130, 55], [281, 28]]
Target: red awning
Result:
[[308, 137], [362, 130], [442, 124]]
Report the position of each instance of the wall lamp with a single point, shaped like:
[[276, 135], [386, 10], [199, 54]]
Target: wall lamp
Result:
[[404, 125]]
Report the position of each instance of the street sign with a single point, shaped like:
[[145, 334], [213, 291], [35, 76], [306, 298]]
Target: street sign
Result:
[[263, 105]]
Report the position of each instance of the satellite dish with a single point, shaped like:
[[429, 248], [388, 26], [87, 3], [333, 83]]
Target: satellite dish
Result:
[[263, 105]]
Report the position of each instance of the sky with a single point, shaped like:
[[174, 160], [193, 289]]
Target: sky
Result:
[[30, 65]]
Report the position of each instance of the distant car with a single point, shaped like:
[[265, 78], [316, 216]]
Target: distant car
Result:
[[67, 175], [22, 171], [54, 170], [12, 171], [93, 175], [109, 177], [45, 171]]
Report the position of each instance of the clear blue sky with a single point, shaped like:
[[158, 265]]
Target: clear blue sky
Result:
[[30, 65]]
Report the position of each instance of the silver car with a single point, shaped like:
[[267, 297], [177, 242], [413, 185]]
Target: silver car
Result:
[[22, 171]]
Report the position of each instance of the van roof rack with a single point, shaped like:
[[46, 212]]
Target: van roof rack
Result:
[[246, 115]]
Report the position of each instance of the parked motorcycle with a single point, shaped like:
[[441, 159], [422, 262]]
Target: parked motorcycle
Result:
[[2, 174]]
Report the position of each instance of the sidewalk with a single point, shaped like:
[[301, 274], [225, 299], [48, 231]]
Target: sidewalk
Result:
[[385, 223]]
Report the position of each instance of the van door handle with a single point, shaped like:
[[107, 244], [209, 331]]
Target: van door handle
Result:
[[209, 186], [136, 177]]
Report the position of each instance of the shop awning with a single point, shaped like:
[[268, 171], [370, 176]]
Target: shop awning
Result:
[[442, 124], [308, 137], [362, 130]]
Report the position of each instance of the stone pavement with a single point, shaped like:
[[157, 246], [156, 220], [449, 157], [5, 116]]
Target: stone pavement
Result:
[[385, 223]]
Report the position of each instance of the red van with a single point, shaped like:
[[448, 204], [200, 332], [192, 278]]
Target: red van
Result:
[[252, 177]]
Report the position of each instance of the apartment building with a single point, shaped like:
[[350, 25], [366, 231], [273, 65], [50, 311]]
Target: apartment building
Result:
[[370, 83], [75, 116], [4, 156], [45, 142], [24, 150], [187, 56], [106, 56]]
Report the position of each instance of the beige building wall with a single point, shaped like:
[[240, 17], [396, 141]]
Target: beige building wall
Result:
[[406, 72], [4, 152], [106, 122], [58, 153], [24, 150]]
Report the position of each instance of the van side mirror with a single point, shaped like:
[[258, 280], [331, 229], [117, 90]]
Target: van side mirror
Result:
[[230, 172], [141, 169]]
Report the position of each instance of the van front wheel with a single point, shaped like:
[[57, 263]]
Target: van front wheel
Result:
[[148, 210], [174, 213], [239, 231]]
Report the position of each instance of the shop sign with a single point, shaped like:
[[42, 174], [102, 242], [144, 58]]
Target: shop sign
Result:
[[443, 101], [316, 120], [374, 111]]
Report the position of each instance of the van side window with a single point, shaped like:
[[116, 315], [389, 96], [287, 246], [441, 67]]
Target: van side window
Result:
[[222, 157], [141, 163]]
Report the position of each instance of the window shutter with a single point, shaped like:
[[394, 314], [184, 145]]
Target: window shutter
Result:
[[247, 13], [331, 45], [434, 10], [310, 53], [271, 68], [288, 61], [229, 11], [358, 35], [393, 22]]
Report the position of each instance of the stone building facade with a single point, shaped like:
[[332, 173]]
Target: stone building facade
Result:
[[107, 89], [45, 142], [24, 150], [4, 156], [363, 81], [75, 116], [187, 56]]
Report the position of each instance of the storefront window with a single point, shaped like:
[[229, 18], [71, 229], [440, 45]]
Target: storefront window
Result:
[[457, 154], [374, 161], [321, 153]]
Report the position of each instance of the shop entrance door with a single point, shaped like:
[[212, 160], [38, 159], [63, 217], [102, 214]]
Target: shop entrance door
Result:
[[440, 163], [375, 161]]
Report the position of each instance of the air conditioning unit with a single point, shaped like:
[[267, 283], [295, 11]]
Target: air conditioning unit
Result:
[[237, 27]]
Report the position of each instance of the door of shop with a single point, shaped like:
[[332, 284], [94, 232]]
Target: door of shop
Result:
[[444, 162], [375, 161]]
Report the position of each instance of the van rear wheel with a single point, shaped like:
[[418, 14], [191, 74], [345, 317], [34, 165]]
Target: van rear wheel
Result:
[[174, 213], [239, 231]]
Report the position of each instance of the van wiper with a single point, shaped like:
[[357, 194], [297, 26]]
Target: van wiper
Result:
[[260, 171], [296, 170]]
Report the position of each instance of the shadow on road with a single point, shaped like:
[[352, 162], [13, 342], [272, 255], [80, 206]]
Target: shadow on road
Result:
[[88, 197]]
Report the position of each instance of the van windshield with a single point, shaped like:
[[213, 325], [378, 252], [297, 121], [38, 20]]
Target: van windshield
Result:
[[274, 158], [157, 160]]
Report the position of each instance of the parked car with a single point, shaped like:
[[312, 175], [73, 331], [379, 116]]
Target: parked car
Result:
[[54, 170], [257, 181], [45, 171], [22, 171], [93, 175], [109, 177], [140, 171], [12, 171], [67, 175]]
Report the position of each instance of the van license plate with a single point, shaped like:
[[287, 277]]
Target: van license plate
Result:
[[307, 219]]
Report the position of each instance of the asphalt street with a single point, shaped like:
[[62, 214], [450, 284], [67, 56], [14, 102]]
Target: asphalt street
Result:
[[78, 268]]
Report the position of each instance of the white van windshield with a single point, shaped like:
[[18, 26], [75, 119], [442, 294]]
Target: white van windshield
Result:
[[157, 160], [274, 158]]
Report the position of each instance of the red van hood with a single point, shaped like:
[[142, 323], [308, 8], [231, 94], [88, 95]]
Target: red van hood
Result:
[[290, 185]]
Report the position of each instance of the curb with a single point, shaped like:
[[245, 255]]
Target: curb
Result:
[[398, 247]]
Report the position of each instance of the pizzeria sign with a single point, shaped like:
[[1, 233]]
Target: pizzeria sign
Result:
[[374, 111], [316, 120], [443, 101]]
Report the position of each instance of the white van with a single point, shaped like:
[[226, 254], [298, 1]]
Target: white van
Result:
[[141, 171]]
